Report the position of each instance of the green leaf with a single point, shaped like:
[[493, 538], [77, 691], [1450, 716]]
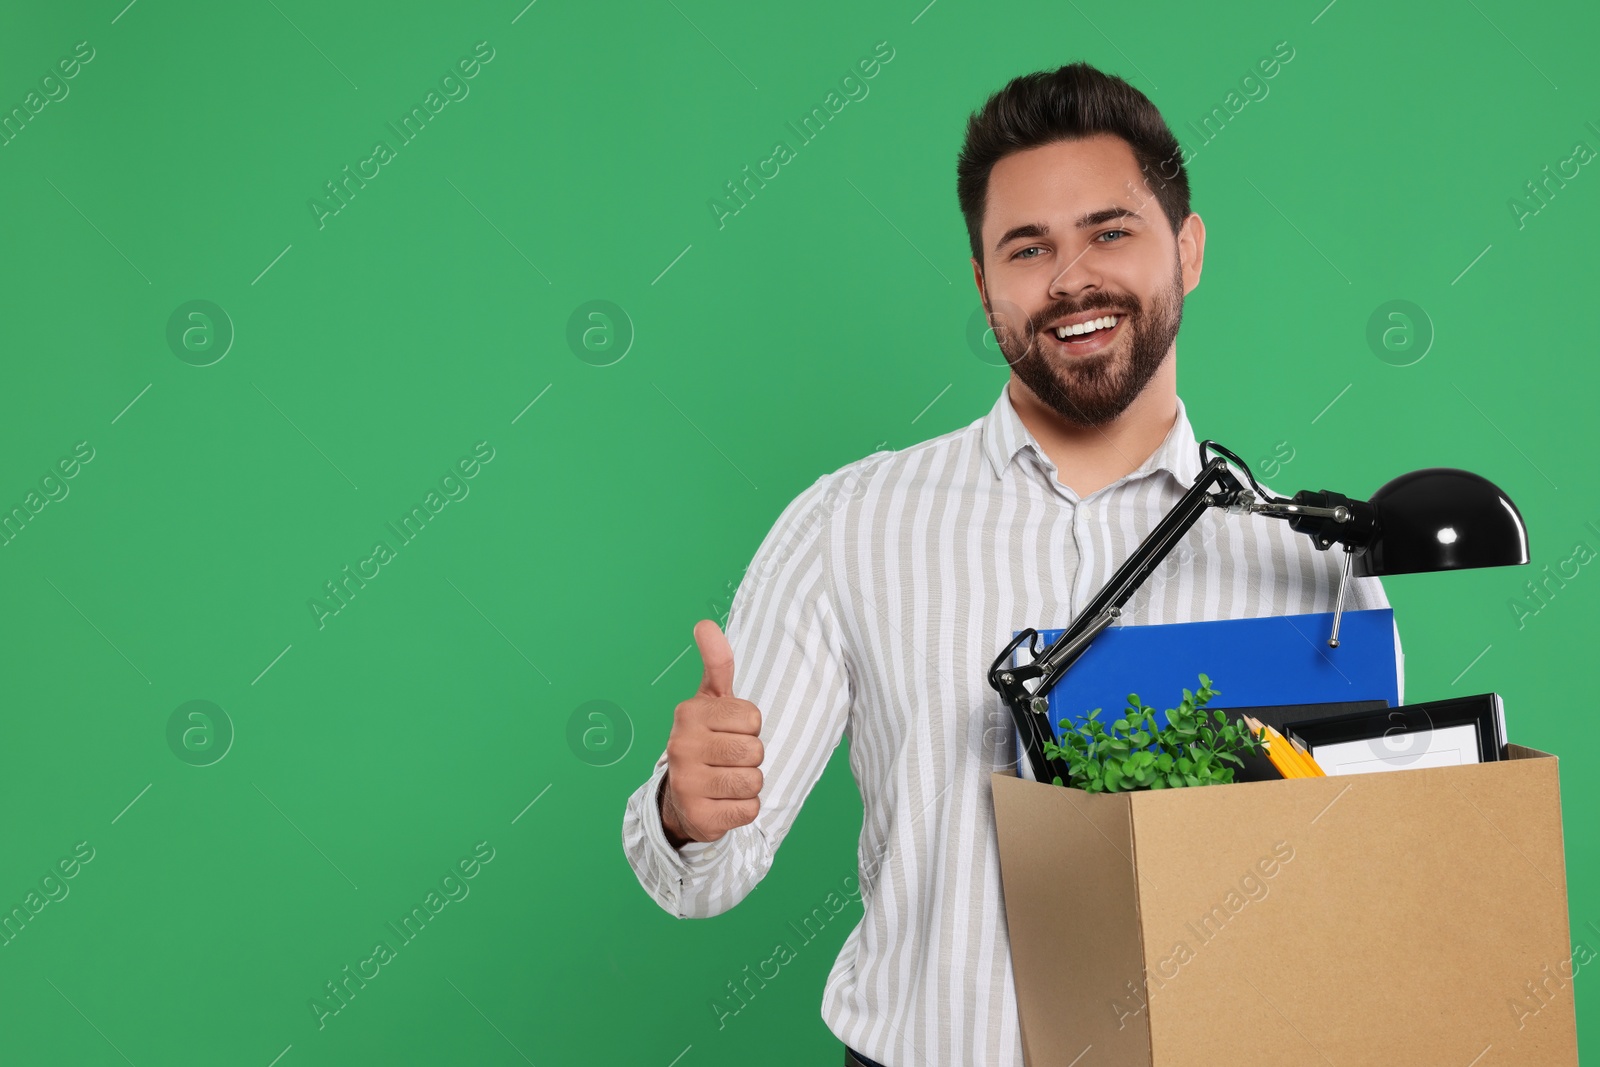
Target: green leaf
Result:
[[1120, 724], [1158, 784], [1164, 762], [1175, 779], [1192, 779]]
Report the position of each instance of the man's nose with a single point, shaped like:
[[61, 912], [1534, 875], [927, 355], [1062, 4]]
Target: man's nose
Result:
[[1076, 277]]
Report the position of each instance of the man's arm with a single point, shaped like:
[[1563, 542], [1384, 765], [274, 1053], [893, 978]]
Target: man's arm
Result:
[[788, 649]]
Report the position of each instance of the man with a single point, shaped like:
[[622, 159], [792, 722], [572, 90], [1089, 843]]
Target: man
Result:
[[875, 606]]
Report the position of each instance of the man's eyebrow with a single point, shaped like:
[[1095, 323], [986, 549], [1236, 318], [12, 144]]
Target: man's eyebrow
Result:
[[1093, 218], [1106, 214]]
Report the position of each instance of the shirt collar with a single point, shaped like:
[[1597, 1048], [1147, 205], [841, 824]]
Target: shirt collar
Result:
[[1004, 435]]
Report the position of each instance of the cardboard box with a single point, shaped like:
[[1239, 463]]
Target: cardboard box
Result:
[[1406, 917]]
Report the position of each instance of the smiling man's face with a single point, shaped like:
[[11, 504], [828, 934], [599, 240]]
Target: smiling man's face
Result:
[[1072, 233]]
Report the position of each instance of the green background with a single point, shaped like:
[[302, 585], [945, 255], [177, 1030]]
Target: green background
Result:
[[448, 703]]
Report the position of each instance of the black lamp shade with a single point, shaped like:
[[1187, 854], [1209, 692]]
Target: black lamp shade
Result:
[[1442, 519]]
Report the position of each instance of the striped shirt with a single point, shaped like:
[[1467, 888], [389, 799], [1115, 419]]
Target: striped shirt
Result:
[[873, 610]]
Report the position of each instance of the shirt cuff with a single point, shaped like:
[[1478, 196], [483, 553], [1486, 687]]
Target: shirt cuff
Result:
[[671, 866]]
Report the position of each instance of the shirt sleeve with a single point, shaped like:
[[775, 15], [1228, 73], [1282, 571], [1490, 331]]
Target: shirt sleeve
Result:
[[789, 660]]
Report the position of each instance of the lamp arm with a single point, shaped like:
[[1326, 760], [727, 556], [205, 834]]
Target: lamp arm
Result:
[[1030, 709]]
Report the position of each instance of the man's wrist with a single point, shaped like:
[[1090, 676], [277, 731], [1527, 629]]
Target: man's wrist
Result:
[[677, 841]]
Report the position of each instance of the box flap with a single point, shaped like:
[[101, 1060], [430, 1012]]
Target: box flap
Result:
[[1072, 913]]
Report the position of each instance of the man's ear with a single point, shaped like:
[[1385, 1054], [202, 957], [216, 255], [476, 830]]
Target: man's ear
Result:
[[977, 277], [1191, 250]]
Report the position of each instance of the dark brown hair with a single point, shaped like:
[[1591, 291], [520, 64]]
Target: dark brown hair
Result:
[[1066, 104]]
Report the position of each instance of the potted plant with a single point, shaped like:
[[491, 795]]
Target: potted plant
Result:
[[1193, 748]]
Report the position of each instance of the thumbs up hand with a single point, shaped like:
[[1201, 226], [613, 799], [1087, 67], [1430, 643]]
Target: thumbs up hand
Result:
[[714, 752]]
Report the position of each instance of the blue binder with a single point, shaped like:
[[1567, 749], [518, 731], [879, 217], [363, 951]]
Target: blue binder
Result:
[[1272, 659]]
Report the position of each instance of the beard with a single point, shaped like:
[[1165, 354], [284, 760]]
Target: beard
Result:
[[1094, 390]]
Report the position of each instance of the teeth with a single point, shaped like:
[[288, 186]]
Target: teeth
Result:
[[1102, 323]]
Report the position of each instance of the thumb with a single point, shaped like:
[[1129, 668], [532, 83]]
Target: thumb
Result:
[[717, 656]]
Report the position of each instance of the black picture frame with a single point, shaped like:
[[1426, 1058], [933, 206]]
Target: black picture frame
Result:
[[1483, 710]]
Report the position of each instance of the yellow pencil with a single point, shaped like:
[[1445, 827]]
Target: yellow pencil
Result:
[[1277, 754], [1300, 750], [1298, 755], [1287, 749], [1285, 756], [1281, 756]]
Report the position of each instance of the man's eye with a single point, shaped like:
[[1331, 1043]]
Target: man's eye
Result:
[[1030, 248], [1110, 232]]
